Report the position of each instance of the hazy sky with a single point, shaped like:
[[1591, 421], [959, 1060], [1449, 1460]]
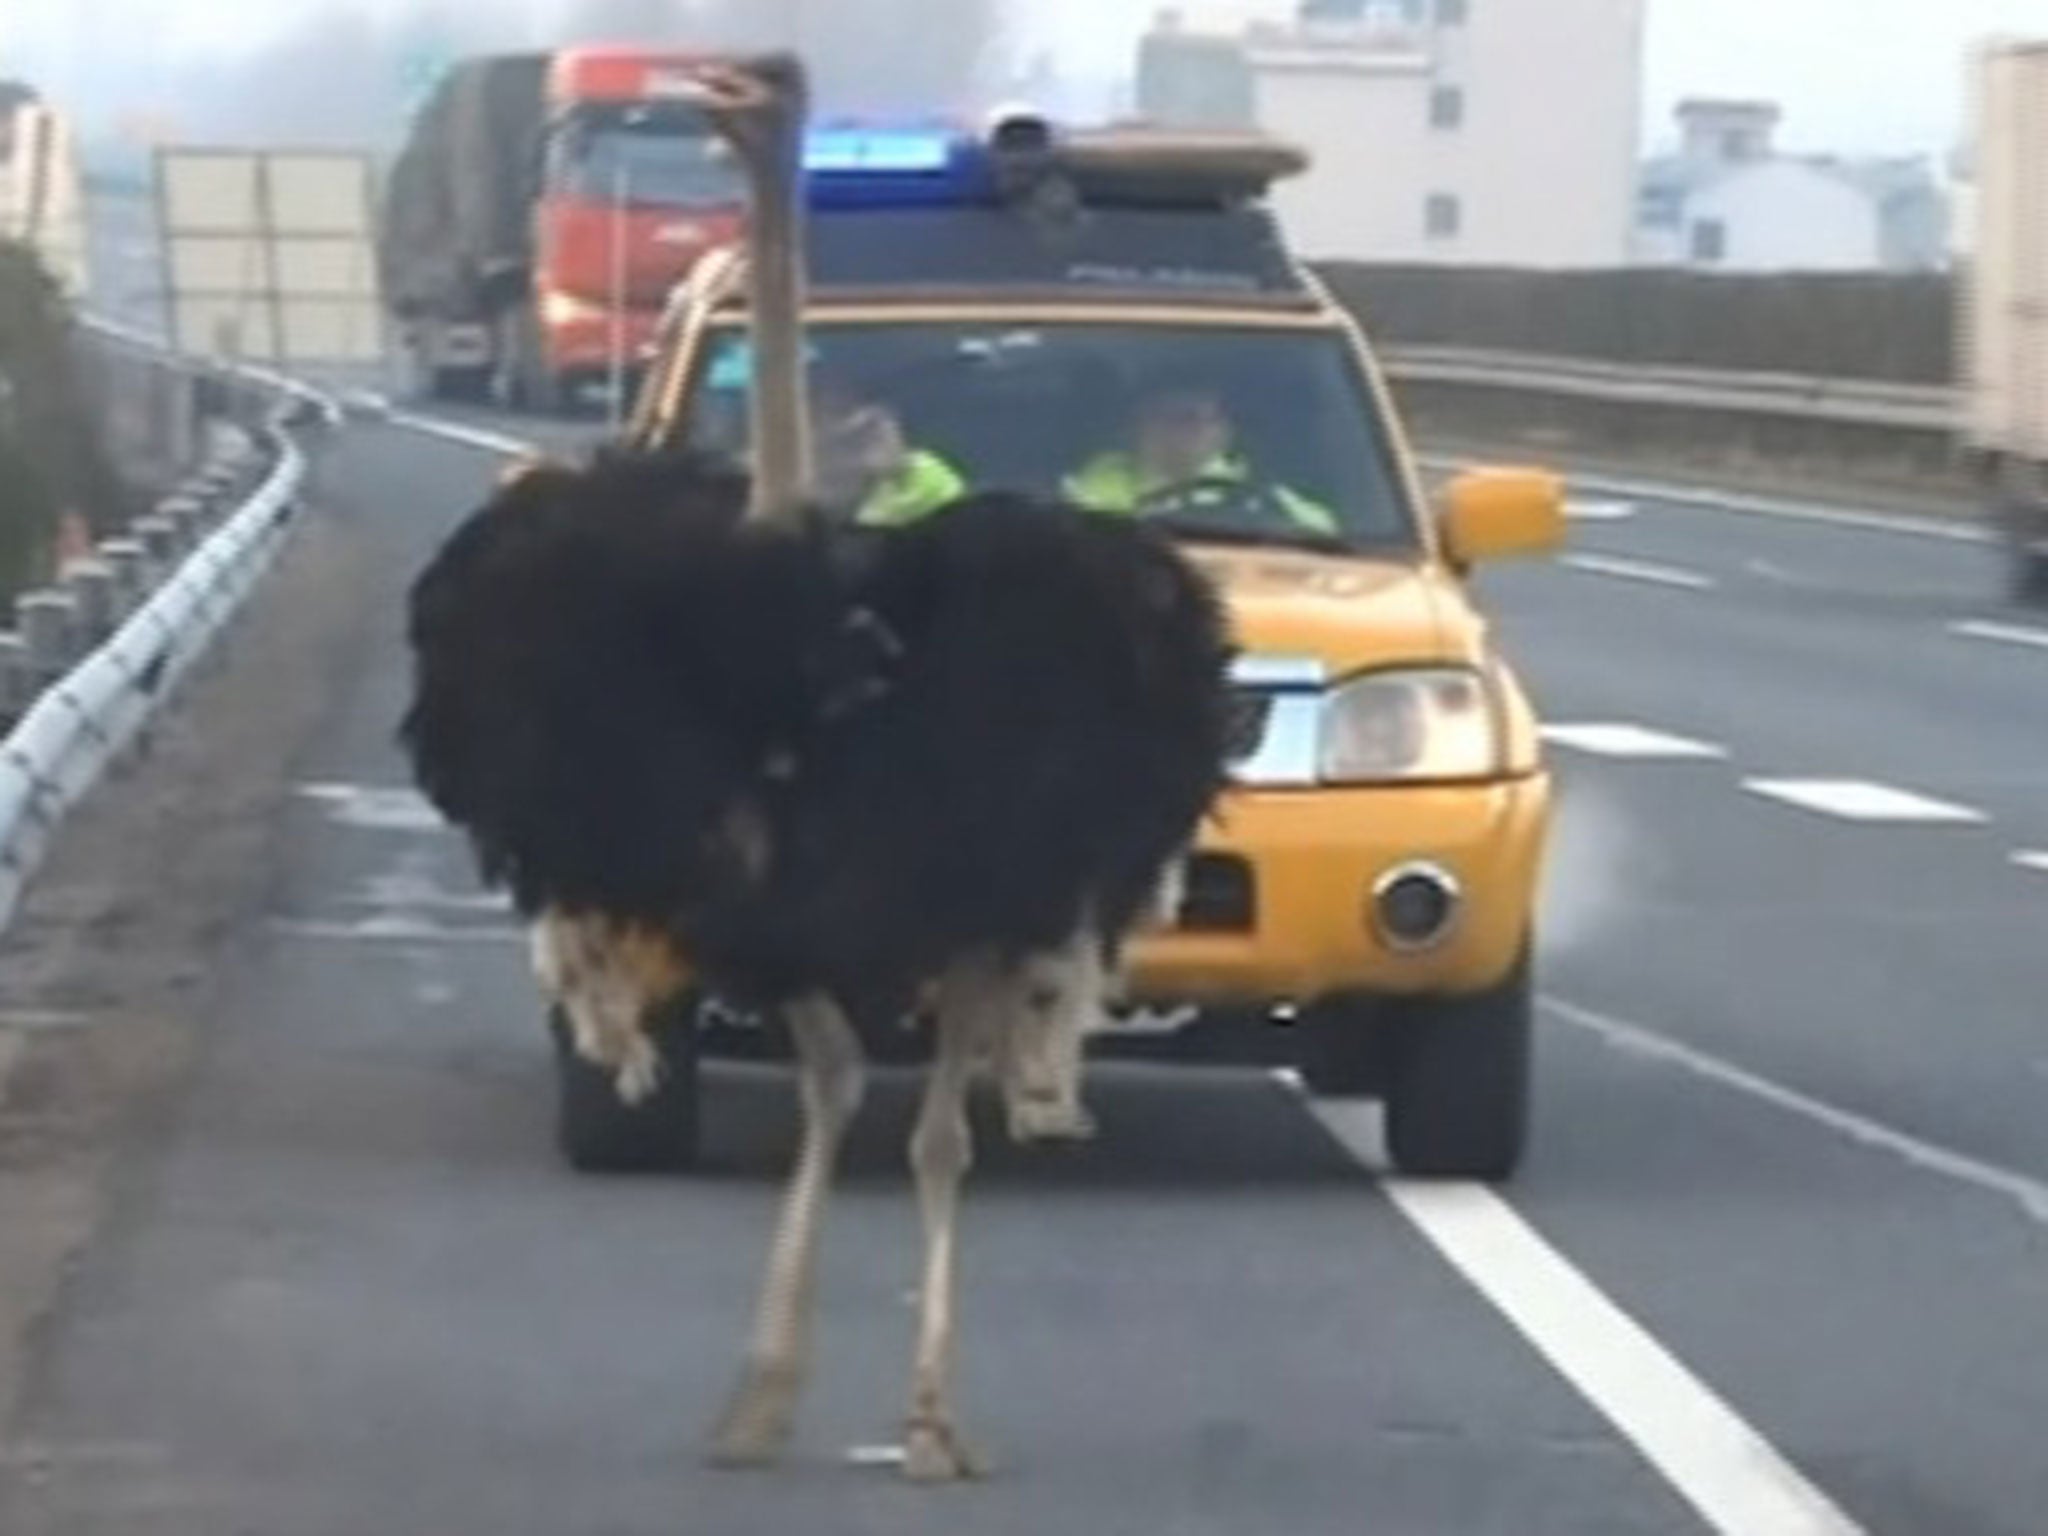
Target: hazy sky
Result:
[[1852, 74]]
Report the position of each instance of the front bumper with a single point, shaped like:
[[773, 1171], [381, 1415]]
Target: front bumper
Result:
[[1281, 895]]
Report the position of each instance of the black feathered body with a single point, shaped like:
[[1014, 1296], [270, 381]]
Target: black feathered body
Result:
[[829, 759]]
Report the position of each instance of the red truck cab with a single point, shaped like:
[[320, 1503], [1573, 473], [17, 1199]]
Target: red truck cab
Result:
[[635, 188]]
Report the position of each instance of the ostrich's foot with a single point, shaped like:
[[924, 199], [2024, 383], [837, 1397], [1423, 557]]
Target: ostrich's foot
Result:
[[755, 1427], [934, 1452], [1053, 1115]]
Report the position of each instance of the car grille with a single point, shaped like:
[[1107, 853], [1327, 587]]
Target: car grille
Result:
[[1220, 896]]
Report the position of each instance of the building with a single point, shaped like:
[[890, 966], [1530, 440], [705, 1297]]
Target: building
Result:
[[1442, 131], [1727, 200]]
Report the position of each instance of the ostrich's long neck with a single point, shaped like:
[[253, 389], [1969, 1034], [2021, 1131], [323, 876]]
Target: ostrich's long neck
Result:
[[775, 268]]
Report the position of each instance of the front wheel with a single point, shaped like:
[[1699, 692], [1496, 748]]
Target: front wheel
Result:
[[1459, 1081], [599, 1132]]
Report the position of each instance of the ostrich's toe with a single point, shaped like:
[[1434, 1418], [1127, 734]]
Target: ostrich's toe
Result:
[[1048, 1117], [755, 1427], [934, 1452]]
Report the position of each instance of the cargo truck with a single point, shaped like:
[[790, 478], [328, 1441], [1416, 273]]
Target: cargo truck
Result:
[[539, 214], [2005, 319]]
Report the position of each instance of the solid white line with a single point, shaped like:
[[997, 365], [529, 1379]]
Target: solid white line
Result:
[[1743, 504], [1580, 511], [2028, 1194], [1734, 1478], [396, 930], [2002, 634], [467, 436], [1638, 570], [1633, 741], [1861, 800]]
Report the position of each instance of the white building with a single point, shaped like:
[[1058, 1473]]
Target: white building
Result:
[[1443, 131], [1728, 201]]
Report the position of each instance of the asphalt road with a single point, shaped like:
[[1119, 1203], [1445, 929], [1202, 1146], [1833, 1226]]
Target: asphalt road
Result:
[[1780, 1262]]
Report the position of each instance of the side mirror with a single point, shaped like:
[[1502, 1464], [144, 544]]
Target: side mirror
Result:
[[1502, 514]]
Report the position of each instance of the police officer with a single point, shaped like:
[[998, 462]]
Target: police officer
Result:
[[866, 460], [1183, 440]]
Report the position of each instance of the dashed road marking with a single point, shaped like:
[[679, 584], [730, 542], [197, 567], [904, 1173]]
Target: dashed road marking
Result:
[[375, 807], [2001, 634], [1638, 570], [2031, 859], [1861, 800], [392, 928], [1734, 1478], [1596, 510], [467, 436], [1623, 740], [2028, 1194]]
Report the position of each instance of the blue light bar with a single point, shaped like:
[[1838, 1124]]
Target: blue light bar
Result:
[[884, 151]]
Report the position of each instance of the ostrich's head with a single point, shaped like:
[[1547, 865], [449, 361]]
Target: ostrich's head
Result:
[[760, 106]]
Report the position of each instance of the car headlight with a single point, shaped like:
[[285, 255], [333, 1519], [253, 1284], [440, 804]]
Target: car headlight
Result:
[[1426, 723], [559, 308]]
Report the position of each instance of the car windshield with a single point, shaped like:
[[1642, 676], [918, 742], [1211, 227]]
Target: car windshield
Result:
[[1241, 434], [645, 159]]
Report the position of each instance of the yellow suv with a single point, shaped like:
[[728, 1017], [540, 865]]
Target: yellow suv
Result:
[[1114, 316]]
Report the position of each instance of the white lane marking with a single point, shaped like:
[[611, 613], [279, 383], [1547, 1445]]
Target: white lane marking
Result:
[[2001, 634], [467, 436], [875, 1455], [2028, 859], [1734, 1478], [377, 808], [1599, 511], [1638, 570], [1960, 531], [2030, 1195], [1861, 800], [393, 929], [1622, 740]]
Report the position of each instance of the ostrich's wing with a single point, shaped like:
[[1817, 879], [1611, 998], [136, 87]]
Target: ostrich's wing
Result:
[[598, 674], [1057, 730]]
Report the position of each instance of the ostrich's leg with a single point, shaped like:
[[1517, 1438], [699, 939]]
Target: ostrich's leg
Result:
[[941, 1151], [1044, 1016], [830, 1080]]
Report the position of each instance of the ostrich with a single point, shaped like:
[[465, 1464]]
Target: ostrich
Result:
[[710, 736]]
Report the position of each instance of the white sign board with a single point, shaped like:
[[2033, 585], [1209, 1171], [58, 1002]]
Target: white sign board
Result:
[[270, 255]]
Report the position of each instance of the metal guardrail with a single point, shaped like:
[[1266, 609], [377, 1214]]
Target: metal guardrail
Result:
[[102, 654], [1792, 397]]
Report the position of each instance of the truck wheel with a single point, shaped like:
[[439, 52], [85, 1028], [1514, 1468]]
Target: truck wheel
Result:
[[460, 386], [2029, 576], [599, 1132], [1458, 1083], [522, 380]]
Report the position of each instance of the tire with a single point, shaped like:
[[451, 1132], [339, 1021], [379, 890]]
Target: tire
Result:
[[2022, 512], [2028, 582], [462, 386], [1344, 1047], [600, 1133], [1458, 1083], [522, 380]]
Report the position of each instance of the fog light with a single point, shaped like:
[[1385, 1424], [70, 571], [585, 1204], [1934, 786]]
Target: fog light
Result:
[[1415, 906]]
